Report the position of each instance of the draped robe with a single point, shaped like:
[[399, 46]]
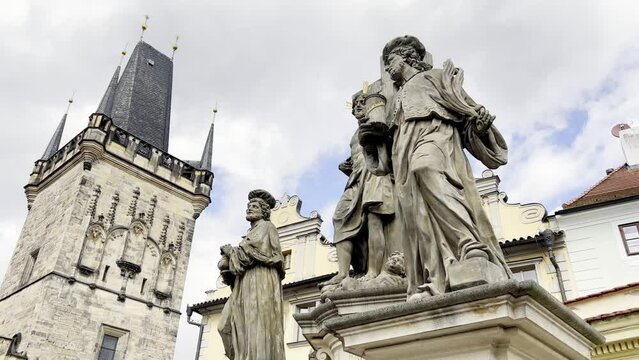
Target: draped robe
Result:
[[438, 205], [252, 320], [364, 193]]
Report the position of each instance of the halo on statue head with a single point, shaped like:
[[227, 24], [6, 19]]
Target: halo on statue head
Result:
[[408, 41], [264, 195]]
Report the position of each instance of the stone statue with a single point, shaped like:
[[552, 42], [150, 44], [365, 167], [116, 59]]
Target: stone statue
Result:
[[251, 324], [447, 239], [363, 213]]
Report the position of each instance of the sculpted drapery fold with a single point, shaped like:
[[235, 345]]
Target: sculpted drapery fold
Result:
[[432, 120], [251, 323]]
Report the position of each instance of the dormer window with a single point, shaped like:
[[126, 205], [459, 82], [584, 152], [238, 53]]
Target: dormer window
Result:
[[150, 62]]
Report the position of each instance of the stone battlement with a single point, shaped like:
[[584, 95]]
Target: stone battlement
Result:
[[103, 140]]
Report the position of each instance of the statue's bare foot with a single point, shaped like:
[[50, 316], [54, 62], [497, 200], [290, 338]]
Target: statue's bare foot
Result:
[[335, 280]]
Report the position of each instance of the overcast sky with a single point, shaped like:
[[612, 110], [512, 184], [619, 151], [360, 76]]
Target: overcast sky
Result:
[[558, 76]]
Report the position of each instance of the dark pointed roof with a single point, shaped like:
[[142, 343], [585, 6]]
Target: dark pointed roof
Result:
[[621, 183], [142, 101], [207, 153], [54, 143], [106, 104]]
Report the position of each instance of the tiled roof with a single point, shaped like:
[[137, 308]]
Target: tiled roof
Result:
[[612, 314], [527, 240], [602, 293], [621, 183], [142, 100], [317, 279]]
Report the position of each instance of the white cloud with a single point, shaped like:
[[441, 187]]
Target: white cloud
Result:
[[282, 71]]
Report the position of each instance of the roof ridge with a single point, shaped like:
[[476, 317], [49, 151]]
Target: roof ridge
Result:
[[583, 194]]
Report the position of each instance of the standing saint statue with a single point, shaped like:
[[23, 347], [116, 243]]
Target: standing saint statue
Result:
[[251, 324], [363, 212], [446, 236]]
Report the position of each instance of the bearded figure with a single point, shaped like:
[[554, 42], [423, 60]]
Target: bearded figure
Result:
[[432, 120], [251, 323]]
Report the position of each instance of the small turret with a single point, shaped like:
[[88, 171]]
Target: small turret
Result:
[[207, 153], [54, 143], [106, 104]]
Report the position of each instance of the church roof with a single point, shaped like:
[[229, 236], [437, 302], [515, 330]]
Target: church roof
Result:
[[621, 183], [142, 100]]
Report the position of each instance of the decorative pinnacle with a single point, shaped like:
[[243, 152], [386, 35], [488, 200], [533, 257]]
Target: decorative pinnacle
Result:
[[175, 46], [365, 87], [123, 53], [144, 26], [214, 112], [70, 101]]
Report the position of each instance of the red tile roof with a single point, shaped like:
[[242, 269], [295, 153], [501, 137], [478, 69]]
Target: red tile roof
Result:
[[612, 315], [621, 183], [602, 293]]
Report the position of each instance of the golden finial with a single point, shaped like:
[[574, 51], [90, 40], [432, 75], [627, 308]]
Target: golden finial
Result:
[[123, 53], [214, 112], [70, 101], [365, 87], [144, 26], [175, 46]]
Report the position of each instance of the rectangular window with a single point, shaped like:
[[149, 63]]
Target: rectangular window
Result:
[[303, 309], [524, 272], [107, 350], [28, 269], [287, 259], [630, 237]]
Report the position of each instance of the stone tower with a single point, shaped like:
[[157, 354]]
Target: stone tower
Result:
[[100, 265]]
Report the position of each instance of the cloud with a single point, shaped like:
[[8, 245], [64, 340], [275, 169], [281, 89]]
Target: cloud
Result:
[[281, 73]]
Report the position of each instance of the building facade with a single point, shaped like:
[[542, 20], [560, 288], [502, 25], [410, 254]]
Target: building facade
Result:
[[98, 271]]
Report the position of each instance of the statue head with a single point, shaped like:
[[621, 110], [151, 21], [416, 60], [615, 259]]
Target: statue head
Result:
[[395, 264], [403, 51], [259, 206], [359, 106]]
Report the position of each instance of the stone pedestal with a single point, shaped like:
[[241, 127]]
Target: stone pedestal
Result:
[[505, 320]]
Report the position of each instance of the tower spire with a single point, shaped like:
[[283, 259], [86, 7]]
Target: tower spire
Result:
[[207, 153], [54, 143], [106, 104]]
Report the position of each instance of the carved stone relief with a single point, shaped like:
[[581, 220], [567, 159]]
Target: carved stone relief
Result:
[[91, 255]]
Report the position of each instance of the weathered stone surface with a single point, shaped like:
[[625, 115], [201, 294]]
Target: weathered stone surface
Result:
[[473, 272], [504, 319]]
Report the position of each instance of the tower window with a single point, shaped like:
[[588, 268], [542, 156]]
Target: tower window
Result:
[[630, 237], [303, 309], [287, 259], [106, 270], [28, 269], [107, 350], [142, 287]]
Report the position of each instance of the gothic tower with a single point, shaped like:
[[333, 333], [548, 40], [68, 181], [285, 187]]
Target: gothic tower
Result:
[[98, 271]]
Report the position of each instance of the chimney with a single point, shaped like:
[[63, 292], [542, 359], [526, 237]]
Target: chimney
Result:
[[630, 145]]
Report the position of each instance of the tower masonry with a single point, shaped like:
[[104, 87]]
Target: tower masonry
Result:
[[99, 269]]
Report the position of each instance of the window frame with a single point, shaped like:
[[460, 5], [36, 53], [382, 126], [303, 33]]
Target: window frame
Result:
[[27, 273], [122, 336], [287, 254], [527, 263], [623, 236], [296, 337]]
